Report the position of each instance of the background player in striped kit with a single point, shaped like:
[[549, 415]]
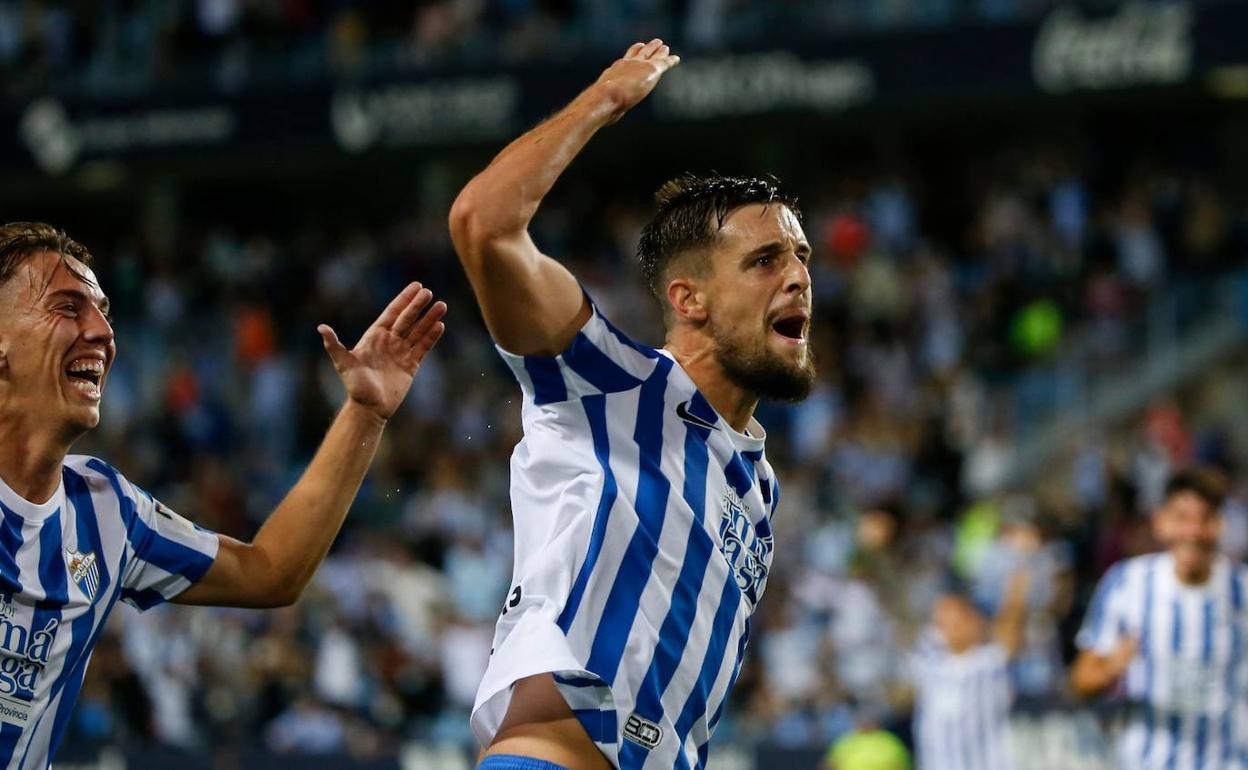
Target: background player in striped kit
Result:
[[640, 492], [1167, 631], [962, 689], [76, 536]]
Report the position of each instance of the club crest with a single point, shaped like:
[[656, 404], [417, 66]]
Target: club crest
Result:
[[84, 571]]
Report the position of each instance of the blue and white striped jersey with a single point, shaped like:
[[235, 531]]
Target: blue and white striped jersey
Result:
[[961, 706], [63, 565], [1186, 694], [643, 542]]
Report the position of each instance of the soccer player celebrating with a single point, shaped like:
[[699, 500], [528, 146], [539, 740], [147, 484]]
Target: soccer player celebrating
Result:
[[1168, 631], [961, 677], [641, 497], [76, 536]]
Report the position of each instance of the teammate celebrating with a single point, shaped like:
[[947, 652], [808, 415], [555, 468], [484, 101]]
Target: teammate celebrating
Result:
[[76, 536], [640, 493], [1170, 629]]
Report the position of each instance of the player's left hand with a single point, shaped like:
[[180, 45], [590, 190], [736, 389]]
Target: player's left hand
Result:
[[378, 371]]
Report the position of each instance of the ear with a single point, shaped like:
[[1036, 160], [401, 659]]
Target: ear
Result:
[[687, 301]]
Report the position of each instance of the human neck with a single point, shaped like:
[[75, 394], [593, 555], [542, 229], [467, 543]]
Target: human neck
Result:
[[696, 355], [30, 460], [1195, 577]]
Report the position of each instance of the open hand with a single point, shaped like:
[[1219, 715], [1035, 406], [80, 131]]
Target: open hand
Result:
[[378, 371], [632, 77]]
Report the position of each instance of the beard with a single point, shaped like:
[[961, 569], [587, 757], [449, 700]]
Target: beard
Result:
[[758, 370]]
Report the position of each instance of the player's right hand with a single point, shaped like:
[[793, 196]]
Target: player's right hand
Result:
[[632, 77]]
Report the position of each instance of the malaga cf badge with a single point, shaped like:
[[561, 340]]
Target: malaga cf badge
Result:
[[84, 571]]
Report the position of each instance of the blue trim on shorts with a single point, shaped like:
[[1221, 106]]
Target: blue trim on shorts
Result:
[[514, 762]]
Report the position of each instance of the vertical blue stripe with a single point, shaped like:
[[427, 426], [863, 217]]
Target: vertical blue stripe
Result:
[[596, 368], [11, 541], [88, 530], [738, 475], [1174, 723], [732, 680], [674, 633], [703, 750], [1146, 640], [83, 638], [1206, 658], [1233, 661], [624, 600], [596, 413], [548, 384], [712, 661]]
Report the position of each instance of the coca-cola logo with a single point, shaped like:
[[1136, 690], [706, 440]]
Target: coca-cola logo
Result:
[[1141, 44]]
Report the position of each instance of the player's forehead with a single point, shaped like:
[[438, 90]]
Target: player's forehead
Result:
[[757, 224], [50, 273], [1187, 504]]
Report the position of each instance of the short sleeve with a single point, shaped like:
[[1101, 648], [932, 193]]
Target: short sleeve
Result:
[[600, 359], [167, 553], [1102, 626]]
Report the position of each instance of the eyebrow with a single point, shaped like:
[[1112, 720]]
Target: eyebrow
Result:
[[771, 247], [104, 305]]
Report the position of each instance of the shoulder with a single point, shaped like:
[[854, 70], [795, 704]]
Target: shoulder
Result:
[[101, 478], [94, 471]]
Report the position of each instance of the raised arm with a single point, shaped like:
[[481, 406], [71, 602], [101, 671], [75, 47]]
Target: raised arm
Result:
[[532, 305], [1010, 626], [273, 569]]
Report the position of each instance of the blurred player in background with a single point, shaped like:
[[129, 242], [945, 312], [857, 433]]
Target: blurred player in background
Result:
[[640, 492], [962, 685], [76, 535], [1167, 630]]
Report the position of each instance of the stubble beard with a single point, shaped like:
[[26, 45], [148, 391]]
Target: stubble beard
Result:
[[764, 373]]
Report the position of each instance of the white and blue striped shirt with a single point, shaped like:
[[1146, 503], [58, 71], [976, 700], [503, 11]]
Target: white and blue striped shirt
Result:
[[1185, 689], [643, 542], [961, 706], [63, 565]]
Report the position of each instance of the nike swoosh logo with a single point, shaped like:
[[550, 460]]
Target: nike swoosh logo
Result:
[[682, 411]]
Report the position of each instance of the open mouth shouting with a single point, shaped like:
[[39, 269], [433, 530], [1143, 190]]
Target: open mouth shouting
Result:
[[792, 325], [86, 376]]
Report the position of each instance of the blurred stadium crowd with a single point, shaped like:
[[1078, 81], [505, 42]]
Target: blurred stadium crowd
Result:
[[130, 45], [894, 471]]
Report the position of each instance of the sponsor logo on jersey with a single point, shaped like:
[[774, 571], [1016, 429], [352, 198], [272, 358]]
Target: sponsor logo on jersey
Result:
[[746, 552], [24, 652], [642, 731]]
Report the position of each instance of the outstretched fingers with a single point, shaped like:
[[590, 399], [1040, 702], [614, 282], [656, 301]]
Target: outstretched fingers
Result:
[[428, 331], [410, 313], [391, 314]]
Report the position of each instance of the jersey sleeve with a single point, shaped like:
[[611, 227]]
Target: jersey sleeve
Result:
[[167, 553], [1103, 625], [600, 359]]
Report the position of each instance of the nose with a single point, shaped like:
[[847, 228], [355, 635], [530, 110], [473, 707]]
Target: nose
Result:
[[96, 328], [797, 276]]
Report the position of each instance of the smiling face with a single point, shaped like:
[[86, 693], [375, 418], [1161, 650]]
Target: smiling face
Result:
[[1189, 527], [56, 344], [758, 302]]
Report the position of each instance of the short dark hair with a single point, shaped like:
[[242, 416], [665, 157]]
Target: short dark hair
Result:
[[692, 210], [19, 241], [1206, 483]]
